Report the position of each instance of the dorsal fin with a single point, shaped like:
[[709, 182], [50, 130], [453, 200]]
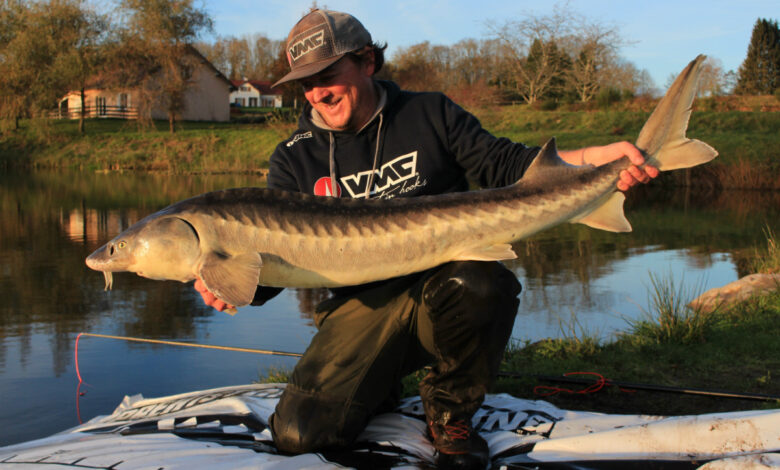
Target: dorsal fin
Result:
[[546, 164]]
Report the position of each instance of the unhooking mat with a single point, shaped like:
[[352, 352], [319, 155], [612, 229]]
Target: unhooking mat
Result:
[[226, 428]]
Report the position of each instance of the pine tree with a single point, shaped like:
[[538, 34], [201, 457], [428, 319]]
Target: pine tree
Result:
[[759, 74]]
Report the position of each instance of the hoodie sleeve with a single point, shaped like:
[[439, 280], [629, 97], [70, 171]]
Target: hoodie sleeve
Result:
[[489, 161]]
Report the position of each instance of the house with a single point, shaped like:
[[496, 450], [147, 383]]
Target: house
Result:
[[255, 94], [207, 99]]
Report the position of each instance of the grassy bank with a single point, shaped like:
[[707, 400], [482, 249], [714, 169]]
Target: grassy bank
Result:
[[747, 142], [734, 350]]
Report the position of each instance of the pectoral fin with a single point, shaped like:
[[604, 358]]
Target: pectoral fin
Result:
[[232, 279], [609, 216], [498, 252]]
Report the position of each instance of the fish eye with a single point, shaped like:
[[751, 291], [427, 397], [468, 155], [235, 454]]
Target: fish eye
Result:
[[121, 245]]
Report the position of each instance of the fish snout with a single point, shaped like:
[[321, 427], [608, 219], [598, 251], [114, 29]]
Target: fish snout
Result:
[[101, 259]]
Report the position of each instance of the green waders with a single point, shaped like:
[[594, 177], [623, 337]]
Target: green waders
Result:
[[457, 317]]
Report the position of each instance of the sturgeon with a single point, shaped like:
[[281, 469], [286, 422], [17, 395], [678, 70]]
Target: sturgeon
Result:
[[237, 239]]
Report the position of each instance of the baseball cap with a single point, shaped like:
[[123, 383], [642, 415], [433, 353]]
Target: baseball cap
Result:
[[319, 39]]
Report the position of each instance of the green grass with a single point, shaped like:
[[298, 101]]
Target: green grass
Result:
[[120, 145], [767, 260], [746, 141]]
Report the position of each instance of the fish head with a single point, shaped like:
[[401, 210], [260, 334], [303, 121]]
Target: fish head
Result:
[[161, 248]]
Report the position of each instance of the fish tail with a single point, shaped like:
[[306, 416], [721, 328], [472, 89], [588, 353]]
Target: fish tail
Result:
[[662, 138]]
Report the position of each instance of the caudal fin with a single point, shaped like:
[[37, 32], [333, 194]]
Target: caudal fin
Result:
[[663, 136]]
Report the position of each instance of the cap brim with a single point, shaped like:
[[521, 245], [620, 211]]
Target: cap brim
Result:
[[308, 70]]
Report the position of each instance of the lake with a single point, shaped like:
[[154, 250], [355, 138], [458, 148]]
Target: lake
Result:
[[576, 281]]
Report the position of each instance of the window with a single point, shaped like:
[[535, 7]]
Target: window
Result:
[[124, 101]]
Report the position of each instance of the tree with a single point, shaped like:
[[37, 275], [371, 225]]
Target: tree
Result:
[[251, 56], [47, 47], [594, 46], [292, 92], [711, 81], [420, 67], [155, 50], [563, 53], [12, 91], [759, 74], [532, 43], [82, 55], [624, 76]]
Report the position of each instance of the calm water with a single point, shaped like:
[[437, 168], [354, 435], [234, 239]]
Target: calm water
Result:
[[575, 280]]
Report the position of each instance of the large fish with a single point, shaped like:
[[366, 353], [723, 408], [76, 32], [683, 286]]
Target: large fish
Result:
[[238, 238]]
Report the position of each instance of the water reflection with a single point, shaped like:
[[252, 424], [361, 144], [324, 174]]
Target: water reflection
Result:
[[49, 222]]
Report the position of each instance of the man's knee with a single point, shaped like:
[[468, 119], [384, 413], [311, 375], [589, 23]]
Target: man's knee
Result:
[[473, 283], [304, 422]]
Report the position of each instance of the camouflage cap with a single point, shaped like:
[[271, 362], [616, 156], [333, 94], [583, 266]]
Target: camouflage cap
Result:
[[319, 39]]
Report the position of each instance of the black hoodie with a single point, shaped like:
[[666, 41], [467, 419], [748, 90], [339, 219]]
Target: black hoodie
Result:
[[418, 144]]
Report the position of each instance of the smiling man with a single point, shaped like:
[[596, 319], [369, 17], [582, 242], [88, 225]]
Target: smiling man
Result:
[[365, 138]]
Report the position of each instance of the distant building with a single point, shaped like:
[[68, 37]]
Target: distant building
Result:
[[255, 94], [206, 100]]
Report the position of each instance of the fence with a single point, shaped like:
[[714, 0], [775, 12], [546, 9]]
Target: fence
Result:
[[116, 112]]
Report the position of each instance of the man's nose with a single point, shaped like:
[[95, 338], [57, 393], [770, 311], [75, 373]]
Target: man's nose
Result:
[[319, 94]]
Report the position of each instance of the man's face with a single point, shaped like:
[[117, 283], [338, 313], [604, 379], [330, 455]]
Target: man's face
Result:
[[343, 94]]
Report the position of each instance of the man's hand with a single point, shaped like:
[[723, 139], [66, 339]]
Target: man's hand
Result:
[[210, 299], [601, 155]]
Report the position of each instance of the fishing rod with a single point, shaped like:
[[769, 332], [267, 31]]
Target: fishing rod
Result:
[[548, 378], [643, 386], [191, 345], [79, 393]]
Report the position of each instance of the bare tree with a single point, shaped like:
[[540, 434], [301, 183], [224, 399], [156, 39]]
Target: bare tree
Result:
[[264, 54], [560, 53], [420, 67], [593, 46], [537, 37], [250, 56], [623, 75], [712, 81]]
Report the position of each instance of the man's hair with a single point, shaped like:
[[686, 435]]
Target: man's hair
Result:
[[359, 56]]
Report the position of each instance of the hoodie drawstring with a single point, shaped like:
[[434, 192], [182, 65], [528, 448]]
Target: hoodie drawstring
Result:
[[376, 157], [332, 161]]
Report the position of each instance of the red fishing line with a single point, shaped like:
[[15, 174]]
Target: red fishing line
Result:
[[79, 393], [601, 382]]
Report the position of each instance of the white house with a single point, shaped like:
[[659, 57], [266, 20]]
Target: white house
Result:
[[255, 94]]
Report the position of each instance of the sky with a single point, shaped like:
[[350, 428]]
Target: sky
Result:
[[661, 36]]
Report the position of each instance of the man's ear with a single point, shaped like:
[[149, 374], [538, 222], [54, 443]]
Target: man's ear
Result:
[[368, 61]]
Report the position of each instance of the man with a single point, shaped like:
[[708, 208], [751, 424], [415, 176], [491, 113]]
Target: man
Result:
[[364, 138]]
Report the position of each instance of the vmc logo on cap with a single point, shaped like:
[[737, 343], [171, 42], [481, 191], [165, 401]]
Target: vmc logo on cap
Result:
[[307, 44]]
